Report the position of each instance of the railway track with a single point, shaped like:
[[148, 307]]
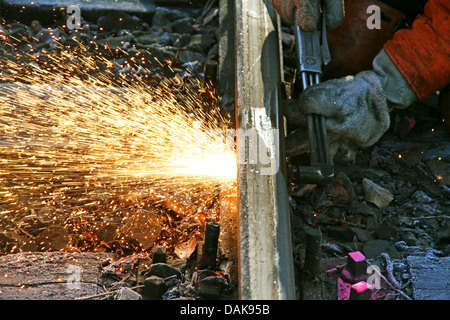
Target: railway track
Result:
[[265, 258]]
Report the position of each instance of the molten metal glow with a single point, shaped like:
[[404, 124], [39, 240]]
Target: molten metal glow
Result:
[[220, 165]]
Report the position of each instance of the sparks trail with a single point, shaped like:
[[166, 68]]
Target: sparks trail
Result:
[[78, 139]]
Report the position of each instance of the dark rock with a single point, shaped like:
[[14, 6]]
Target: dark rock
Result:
[[362, 208], [118, 20], [115, 43], [148, 38], [190, 56], [337, 193], [53, 237], [335, 212], [214, 50], [184, 298], [409, 238], [374, 174], [342, 179], [320, 198], [430, 224], [185, 25], [47, 35], [371, 223], [325, 218], [15, 30], [211, 287], [154, 288], [107, 233], [306, 213], [161, 19], [421, 197], [119, 285], [446, 251], [171, 294], [165, 38], [407, 222], [443, 236], [339, 233], [373, 248], [175, 14], [182, 40], [429, 209], [137, 33], [171, 281], [162, 270], [201, 42], [363, 235], [402, 247], [10, 241], [332, 249], [408, 209], [144, 227], [385, 231]]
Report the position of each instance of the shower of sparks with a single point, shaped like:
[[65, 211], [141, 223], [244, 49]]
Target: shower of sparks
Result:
[[48, 132], [66, 134]]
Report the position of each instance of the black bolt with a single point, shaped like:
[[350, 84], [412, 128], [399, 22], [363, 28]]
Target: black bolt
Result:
[[211, 71], [210, 245], [154, 288], [159, 254], [360, 291], [313, 250], [356, 264]]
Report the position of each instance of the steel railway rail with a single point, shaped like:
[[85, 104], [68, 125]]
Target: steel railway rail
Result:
[[265, 249]]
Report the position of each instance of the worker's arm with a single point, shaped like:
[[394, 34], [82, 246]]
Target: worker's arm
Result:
[[422, 53], [305, 13], [413, 64]]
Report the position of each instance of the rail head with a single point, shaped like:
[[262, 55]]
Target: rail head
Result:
[[266, 263]]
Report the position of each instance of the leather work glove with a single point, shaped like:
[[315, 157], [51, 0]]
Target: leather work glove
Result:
[[356, 107], [305, 13]]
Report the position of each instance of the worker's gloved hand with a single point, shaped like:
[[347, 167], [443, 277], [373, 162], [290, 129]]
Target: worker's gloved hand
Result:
[[356, 107], [305, 13]]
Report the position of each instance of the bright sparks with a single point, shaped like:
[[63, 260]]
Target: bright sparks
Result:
[[86, 137], [216, 166]]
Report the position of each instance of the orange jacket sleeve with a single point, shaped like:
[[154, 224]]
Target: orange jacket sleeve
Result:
[[422, 53]]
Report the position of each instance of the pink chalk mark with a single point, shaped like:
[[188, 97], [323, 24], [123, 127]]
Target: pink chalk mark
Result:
[[361, 286], [357, 256]]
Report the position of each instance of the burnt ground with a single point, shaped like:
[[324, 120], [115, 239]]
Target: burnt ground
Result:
[[407, 170]]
